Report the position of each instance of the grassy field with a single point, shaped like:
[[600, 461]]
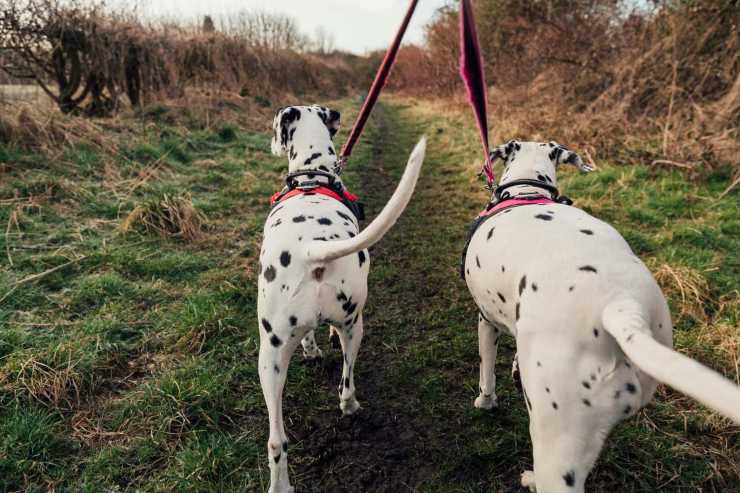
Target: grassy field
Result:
[[128, 362]]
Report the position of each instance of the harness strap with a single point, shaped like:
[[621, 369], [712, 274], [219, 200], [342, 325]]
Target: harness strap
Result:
[[350, 200]]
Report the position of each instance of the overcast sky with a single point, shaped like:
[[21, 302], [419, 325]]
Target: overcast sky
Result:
[[357, 25]]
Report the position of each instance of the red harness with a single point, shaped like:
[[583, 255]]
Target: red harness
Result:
[[282, 195]]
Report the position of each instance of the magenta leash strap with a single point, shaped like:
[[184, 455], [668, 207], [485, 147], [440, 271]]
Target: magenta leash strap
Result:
[[471, 71]]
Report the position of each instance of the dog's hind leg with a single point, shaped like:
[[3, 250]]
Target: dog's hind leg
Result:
[[350, 337], [276, 348], [311, 350], [569, 417], [488, 335]]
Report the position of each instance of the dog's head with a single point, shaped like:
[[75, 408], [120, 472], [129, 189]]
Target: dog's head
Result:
[[311, 124], [535, 160]]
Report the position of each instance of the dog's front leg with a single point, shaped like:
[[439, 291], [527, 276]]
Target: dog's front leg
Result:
[[275, 352], [350, 337], [487, 346], [311, 350]]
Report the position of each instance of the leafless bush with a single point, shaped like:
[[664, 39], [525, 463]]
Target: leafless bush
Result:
[[601, 73], [87, 58]]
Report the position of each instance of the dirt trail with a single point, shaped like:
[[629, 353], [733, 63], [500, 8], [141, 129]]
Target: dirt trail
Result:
[[411, 420]]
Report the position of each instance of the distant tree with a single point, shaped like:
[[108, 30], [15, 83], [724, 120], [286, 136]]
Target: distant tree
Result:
[[208, 25]]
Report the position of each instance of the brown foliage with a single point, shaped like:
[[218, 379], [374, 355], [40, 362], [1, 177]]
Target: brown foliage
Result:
[[593, 73], [86, 57]]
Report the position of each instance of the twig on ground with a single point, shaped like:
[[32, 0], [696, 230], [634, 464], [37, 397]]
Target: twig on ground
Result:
[[672, 163], [41, 275], [732, 185]]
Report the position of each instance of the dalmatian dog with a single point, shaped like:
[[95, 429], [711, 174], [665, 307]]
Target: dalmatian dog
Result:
[[314, 266], [593, 330]]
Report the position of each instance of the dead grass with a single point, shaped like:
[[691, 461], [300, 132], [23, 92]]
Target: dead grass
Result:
[[686, 285], [168, 216]]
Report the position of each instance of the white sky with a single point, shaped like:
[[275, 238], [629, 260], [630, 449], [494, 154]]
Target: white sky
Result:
[[357, 25]]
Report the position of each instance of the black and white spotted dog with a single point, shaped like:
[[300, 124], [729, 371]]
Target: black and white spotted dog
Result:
[[314, 267], [593, 330]]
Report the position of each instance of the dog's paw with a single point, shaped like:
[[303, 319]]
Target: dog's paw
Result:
[[349, 406], [316, 353], [486, 401], [528, 481]]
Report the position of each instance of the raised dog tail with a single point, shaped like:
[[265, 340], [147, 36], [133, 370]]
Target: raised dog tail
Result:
[[325, 251], [626, 322]]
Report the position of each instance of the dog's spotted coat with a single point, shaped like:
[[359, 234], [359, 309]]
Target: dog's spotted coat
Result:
[[544, 274], [302, 285]]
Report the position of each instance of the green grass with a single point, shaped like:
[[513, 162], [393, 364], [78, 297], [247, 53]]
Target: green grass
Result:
[[134, 368]]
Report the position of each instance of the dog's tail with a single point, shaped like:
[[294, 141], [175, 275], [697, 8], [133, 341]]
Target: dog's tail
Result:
[[626, 322], [325, 251]]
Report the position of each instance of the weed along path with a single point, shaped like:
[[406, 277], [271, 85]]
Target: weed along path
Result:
[[128, 359]]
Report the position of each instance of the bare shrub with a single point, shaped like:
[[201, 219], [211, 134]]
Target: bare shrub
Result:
[[88, 58]]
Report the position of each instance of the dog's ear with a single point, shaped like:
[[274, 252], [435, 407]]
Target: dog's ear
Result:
[[504, 151], [331, 119], [559, 154], [281, 132]]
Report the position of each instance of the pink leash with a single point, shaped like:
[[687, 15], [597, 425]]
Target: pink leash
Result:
[[471, 71], [378, 83]]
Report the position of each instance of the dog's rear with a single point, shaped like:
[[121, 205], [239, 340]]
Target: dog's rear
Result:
[[315, 271]]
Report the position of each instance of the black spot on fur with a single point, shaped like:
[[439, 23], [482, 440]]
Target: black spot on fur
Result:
[[554, 405], [293, 320], [571, 288], [503, 269], [587, 232], [490, 234], [285, 446], [517, 311], [534, 287], [266, 325], [346, 382], [313, 156], [285, 258], [627, 409], [362, 257], [586, 384], [343, 216], [324, 221], [631, 388], [544, 217], [596, 332], [587, 402], [330, 151], [522, 285], [277, 369], [269, 273], [588, 268], [341, 296], [477, 261], [277, 458], [570, 478], [275, 340], [501, 297], [299, 219]]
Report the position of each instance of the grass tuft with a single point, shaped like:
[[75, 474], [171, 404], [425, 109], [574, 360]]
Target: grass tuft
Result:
[[168, 217]]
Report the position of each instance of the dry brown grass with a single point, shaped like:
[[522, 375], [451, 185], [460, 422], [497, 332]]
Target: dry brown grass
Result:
[[168, 217]]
